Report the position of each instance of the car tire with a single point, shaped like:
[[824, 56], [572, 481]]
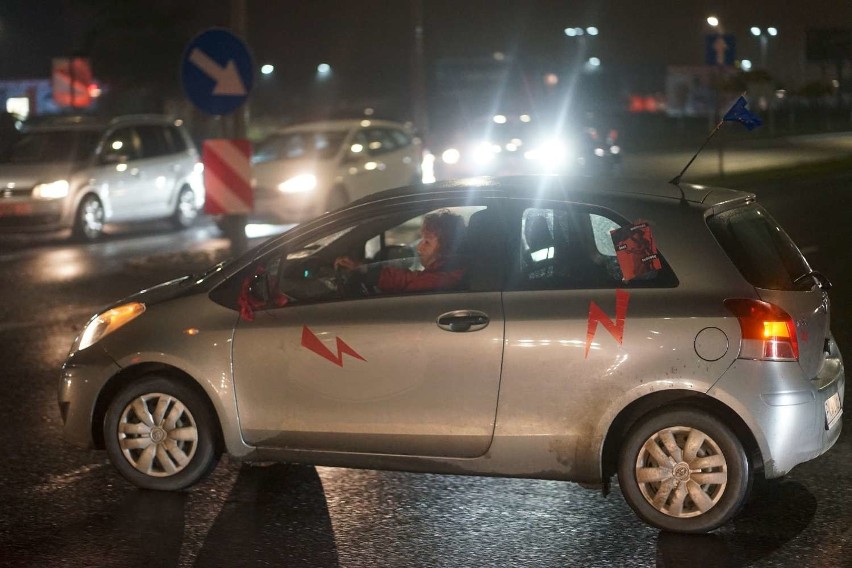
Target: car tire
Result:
[[89, 219], [161, 434], [186, 210], [675, 486], [336, 199]]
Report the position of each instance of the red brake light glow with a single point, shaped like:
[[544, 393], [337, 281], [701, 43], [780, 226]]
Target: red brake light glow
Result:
[[769, 333]]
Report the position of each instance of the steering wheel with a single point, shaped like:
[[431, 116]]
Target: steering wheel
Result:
[[353, 282]]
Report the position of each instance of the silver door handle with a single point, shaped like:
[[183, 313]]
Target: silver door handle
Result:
[[463, 320]]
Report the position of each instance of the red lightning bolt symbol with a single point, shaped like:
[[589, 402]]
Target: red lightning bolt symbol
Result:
[[596, 314], [312, 342]]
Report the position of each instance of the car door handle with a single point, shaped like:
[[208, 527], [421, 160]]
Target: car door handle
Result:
[[463, 320]]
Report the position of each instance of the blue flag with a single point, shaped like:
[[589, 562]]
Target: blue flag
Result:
[[739, 113]]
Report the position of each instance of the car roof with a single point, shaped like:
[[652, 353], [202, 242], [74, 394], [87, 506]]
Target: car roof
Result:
[[562, 187], [339, 124], [92, 122]]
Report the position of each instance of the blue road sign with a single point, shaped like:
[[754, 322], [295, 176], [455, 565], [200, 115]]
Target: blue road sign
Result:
[[720, 49], [217, 71]]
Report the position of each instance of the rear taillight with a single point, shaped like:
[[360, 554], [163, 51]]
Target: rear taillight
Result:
[[769, 333]]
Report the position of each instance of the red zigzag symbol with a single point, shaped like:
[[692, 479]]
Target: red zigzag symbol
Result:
[[312, 342], [596, 314]]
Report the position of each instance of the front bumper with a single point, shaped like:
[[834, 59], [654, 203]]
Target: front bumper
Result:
[[29, 215], [785, 411], [82, 379]]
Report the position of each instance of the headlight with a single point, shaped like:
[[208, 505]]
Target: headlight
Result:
[[302, 183], [105, 323], [450, 156], [53, 190]]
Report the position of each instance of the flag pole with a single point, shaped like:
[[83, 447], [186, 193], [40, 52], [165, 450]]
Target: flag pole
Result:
[[676, 180]]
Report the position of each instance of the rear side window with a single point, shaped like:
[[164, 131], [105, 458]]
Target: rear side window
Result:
[[571, 247], [760, 249]]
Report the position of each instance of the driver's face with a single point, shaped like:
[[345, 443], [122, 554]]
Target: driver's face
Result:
[[428, 247]]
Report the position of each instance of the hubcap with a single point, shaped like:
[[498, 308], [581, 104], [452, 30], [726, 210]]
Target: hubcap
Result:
[[93, 218], [681, 472], [186, 207], [157, 435]]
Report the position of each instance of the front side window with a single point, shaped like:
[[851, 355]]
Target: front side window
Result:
[[419, 251], [572, 247], [120, 145]]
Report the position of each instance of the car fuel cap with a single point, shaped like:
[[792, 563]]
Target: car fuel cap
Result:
[[711, 344]]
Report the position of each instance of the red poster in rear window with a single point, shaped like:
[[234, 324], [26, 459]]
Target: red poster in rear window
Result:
[[636, 251]]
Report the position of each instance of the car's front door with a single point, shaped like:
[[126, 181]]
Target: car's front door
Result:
[[411, 374], [118, 177]]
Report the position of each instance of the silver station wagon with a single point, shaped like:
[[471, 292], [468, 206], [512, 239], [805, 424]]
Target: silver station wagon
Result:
[[543, 327]]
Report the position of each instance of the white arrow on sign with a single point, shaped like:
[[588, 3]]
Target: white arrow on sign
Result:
[[228, 81]]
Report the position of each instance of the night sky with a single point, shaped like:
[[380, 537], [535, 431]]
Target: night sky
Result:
[[369, 42]]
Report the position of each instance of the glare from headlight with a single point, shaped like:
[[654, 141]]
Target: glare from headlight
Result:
[[484, 153], [53, 190], [599, 152], [550, 153], [105, 323], [301, 183], [615, 149], [450, 156]]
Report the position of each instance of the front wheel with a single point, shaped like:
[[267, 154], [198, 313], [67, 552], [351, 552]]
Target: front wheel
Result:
[[186, 210], [683, 470], [89, 219], [160, 434]]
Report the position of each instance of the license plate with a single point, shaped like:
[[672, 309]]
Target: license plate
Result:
[[832, 410], [15, 209]]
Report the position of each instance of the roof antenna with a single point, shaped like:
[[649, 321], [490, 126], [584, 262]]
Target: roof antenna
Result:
[[737, 113]]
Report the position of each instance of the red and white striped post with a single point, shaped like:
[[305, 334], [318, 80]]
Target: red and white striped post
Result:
[[227, 182]]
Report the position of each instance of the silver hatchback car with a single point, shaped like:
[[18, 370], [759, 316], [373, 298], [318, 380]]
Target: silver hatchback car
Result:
[[577, 329], [83, 172]]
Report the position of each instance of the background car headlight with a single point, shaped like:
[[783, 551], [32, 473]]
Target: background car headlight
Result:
[[53, 190], [450, 156], [105, 323], [299, 184]]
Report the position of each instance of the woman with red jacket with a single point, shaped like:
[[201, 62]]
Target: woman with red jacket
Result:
[[441, 235]]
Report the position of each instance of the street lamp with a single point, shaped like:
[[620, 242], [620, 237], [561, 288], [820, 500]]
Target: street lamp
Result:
[[763, 36]]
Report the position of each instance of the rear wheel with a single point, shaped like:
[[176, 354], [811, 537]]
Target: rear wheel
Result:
[[683, 470], [160, 434], [186, 210], [89, 219]]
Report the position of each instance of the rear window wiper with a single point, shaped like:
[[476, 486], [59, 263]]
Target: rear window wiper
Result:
[[821, 279]]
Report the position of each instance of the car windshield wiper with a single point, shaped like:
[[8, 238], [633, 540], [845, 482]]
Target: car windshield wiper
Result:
[[821, 280]]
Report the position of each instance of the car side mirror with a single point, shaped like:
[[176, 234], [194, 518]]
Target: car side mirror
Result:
[[259, 288]]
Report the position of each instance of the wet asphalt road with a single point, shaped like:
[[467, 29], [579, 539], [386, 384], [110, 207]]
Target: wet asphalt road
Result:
[[61, 506]]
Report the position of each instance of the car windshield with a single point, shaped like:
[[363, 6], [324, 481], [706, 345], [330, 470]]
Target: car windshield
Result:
[[38, 147], [315, 144]]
